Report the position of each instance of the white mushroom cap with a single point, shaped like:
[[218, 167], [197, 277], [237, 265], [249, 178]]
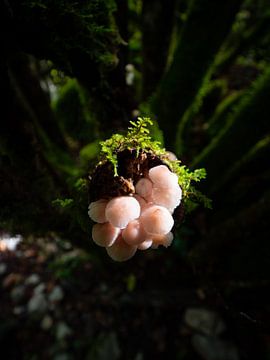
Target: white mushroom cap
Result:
[[97, 210], [134, 233], [164, 240], [167, 197], [157, 220], [120, 250], [121, 210], [104, 234], [162, 177], [144, 188]]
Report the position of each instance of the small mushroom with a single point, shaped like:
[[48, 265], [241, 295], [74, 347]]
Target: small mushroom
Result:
[[134, 233], [144, 188], [104, 234], [121, 210], [120, 250], [167, 197], [161, 176], [97, 210], [157, 220]]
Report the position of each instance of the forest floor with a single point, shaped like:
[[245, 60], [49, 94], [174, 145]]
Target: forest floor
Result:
[[60, 303]]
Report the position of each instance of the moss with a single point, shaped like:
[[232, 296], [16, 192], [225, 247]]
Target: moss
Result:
[[202, 107], [79, 37], [193, 58], [224, 108], [72, 109], [127, 158], [248, 123]]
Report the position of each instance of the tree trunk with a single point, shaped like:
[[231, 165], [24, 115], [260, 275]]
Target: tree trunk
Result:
[[207, 25]]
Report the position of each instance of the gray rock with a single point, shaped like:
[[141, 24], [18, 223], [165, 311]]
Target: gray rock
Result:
[[37, 304], [211, 348], [46, 322], [17, 293], [18, 310], [3, 269], [39, 289], [204, 321], [62, 356], [56, 294], [108, 348], [62, 331], [33, 279]]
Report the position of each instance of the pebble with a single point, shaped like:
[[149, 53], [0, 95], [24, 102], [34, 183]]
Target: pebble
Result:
[[56, 294], [37, 303], [33, 279], [211, 348], [18, 310], [205, 321], [62, 331], [62, 356], [3, 269], [46, 323], [39, 289], [109, 346]]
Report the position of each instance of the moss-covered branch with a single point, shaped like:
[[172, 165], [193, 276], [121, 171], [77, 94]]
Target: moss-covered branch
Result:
[[245, 127], [207, 25]]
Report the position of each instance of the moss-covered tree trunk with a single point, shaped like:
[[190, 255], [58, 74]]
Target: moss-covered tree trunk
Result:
[[37, 165], [248, 124], [207, 24]]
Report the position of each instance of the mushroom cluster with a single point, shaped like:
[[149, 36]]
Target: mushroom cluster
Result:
[[140, 220]]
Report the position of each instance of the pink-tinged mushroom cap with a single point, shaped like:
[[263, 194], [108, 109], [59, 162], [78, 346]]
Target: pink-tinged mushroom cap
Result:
[[104, 234], [141, 201], [144, 188], [145, 245], [121, 210], [162, 177], [134, 233], [120, 250], [97, 210], [157, 220], [167, 197], [164, 240]]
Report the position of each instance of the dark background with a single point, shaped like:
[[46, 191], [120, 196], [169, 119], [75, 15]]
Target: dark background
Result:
[[72, 74]]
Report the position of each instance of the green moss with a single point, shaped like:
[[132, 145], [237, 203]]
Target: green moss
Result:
[[205, 102], [73, 111], [223, 110], [193, 58], [138, 138], [79, 37], [245, 126]]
